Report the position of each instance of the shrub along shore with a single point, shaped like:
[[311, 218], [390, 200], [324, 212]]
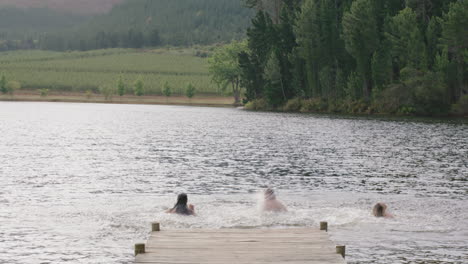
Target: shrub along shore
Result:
[[346, 106], [293, 106]]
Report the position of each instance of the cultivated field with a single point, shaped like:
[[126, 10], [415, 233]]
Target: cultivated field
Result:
[[88, 71]]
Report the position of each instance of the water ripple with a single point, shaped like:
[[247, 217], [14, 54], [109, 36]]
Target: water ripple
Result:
[[81, 182]]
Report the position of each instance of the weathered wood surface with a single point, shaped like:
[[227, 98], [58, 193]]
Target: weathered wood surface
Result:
[[240, 246]]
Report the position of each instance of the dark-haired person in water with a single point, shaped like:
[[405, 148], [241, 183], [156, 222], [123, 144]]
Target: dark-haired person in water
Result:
[[181, 206], [270, 203], [380, 210]]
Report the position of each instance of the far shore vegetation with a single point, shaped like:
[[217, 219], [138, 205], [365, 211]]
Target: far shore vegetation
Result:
[[358, 56], [401, 57], [111, 72]]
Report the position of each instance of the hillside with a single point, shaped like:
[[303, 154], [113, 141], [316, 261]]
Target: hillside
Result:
[[178, 22], [130, 24], [30, 23], [72, 6]]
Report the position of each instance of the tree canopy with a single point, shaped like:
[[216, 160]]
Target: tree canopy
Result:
[[225, 68], [392, 56], [131, 24]]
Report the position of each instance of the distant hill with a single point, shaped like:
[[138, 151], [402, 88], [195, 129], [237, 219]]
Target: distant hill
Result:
[[46, 24], [179, 22], [30, 23], [22, 20], [71, 6]]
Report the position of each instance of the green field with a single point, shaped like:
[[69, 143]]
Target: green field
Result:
[[82, 71]]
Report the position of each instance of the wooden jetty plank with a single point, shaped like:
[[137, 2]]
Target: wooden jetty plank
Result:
[[240, 246]]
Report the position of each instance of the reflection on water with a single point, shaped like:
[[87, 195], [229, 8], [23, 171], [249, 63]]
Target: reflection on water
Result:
[[81, 182]]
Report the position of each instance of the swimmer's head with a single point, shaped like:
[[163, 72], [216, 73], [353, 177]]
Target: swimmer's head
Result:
[[269, 194], [379, 210], [182, 199]]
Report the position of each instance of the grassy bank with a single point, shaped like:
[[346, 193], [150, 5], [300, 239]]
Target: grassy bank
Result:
[[83, 71], [76, 97]]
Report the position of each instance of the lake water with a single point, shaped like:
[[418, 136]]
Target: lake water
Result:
[[80, 183]]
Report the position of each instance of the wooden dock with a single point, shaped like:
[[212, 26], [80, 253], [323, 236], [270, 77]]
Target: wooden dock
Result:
[[239, 246]]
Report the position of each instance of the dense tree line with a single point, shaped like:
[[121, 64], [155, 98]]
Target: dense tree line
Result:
[[132, 24], [133, 38], [179, 22], [391, 56], [22, 28]]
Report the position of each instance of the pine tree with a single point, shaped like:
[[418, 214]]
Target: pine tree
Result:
[[407, 42], [274, 88], [455, 37], [307, 31], [433, 33], [261, 36], [251, 77], [362, 38], [381, 67], [286, 43]]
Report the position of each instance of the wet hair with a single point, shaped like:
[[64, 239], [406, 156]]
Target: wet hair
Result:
[[270, 194], [379, 210], [181, 205]]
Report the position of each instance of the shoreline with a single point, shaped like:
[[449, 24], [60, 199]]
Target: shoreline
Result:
[[199, 101], [71, 97]]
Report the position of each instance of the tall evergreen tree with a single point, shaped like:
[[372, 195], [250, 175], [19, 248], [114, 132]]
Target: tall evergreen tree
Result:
[[308, 38], [274, 88], [251, 77], [261, 36], [455, 37], [362, 38], [433, 33], [382, 66], [407, 42], [285, 45]]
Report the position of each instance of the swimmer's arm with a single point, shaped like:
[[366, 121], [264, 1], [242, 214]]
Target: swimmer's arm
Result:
[[283, 208], [192, 208]]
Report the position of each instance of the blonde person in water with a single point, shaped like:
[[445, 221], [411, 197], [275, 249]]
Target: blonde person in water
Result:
[[380, 210], [271, 204]]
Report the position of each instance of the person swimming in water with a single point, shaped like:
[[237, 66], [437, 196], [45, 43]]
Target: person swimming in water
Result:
[[181, 206], [380, 210], [271, 204]]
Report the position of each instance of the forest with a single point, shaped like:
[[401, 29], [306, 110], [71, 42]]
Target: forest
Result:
[[130, 24], [21, 28], [83, 7], [357, 56]]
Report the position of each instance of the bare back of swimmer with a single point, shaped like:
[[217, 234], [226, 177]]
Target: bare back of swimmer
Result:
[[271, 204]]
